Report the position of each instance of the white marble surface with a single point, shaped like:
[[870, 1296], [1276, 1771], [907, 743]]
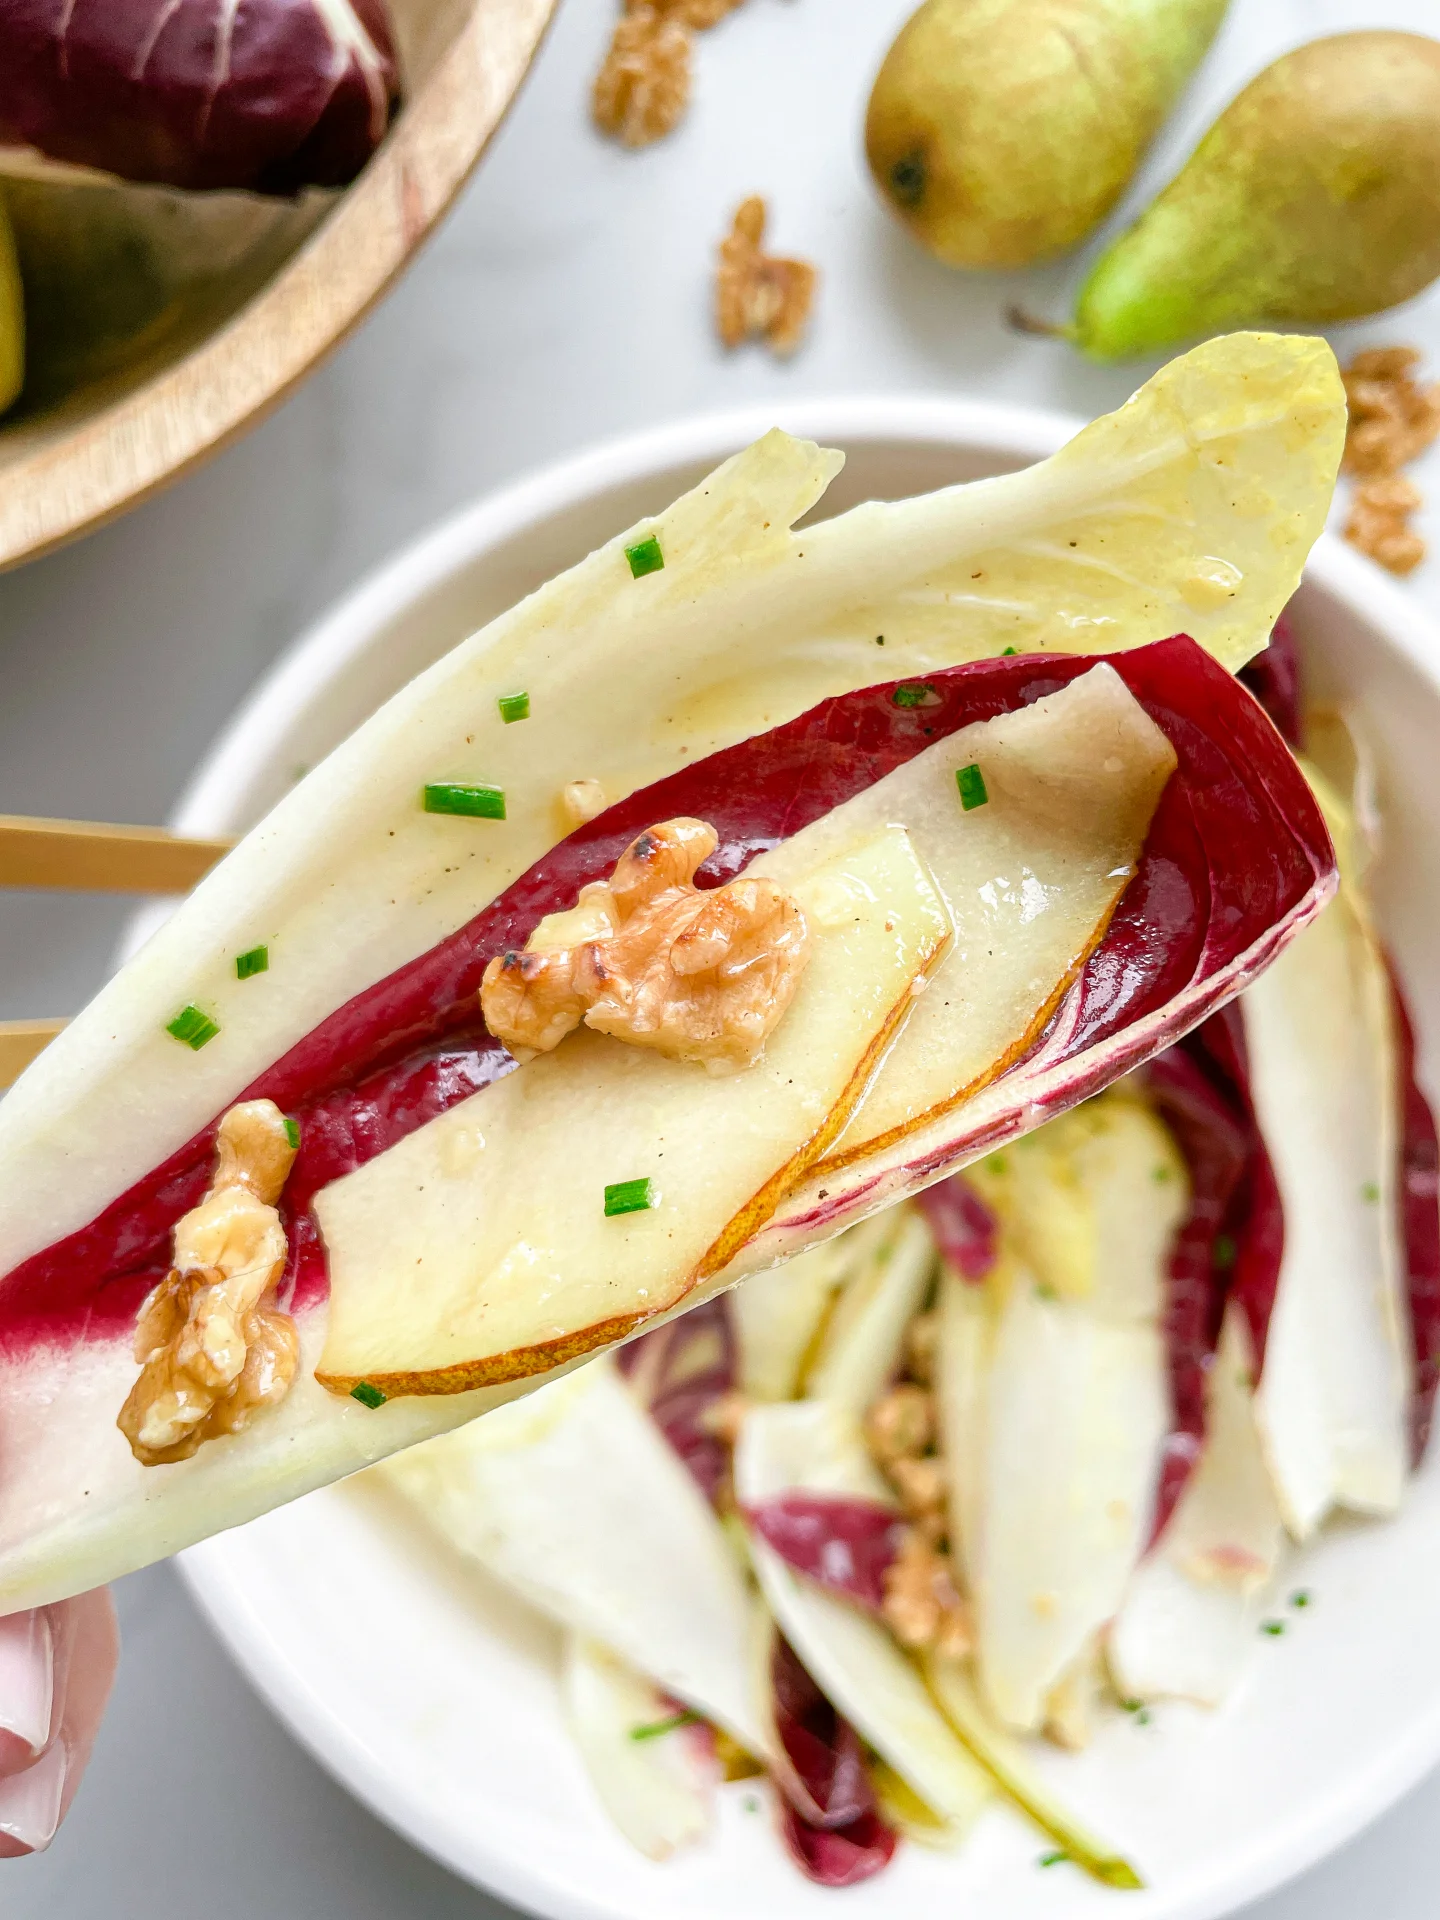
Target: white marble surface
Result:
[[565, 300]]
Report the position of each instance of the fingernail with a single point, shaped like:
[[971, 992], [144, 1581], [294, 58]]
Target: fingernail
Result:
[[30, 1801], [27, 1675]]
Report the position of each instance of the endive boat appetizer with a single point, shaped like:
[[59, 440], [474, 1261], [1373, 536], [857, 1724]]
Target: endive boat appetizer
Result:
[[745, 879], [1028, 1452]]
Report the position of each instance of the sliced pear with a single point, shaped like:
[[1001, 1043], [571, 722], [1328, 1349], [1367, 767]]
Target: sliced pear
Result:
[[1189, 1621], [1005, 1760], [1334, 1383], [1031, 879], [864, 1338], [655, 1785], [852, 1658], [479, 1250], [1192, 509], [573, 1498]]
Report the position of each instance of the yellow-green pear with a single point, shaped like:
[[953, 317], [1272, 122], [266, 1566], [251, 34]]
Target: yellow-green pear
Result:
[[1314, 197], [1001, 131], [12, 317]]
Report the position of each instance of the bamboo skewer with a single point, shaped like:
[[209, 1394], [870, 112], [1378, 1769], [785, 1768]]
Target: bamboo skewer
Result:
[[92, 857], [89, 856], [20, 1041]]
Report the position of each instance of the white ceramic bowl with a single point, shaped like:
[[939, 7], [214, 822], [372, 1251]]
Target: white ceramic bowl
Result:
[[432, 1698]]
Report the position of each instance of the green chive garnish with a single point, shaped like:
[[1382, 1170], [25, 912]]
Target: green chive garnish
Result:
[[654, 1728], [1224, 1254], [514, 706], [1007, 651], [628, 1196], [1052, 1859], [292, 1131], [645, 557], [971, 783], [367, 1395], [1273, 1627], [1370, 1192], [914, 693], [193, 1027], [1300, 1598], [1160, 1175], [471, 798], [247, 965]]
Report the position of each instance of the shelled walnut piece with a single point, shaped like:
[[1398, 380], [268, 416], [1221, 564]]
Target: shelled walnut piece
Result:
[[212, 1352], [759, 295], [1392, 421], [647, 957], [643, 88]]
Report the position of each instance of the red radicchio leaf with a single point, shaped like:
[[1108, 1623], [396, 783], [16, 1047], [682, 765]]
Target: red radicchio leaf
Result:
[[844, 1840], [965, 1229], [1236, 850], [271, 95], [679, 1372], [837, 1540], [1419, 1224], [1274, 678]]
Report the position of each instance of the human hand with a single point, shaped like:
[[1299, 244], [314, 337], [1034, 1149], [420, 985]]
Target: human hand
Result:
[[56, 1668]]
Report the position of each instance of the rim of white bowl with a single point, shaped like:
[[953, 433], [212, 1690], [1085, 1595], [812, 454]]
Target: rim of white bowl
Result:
[[323, 651]]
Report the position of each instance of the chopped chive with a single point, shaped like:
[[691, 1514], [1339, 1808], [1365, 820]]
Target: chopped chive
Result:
[[367, 1395], [1160, 1175], [654, 1728], [1273, 1627], [256, 960], [971, 783], [1052, 1859], [1370, 1192], [1300, 1598], [1132, 1706], [751, 1803], [645, 557], [514, 706], [628, 1196], [914, 693], [1007, 651], [471, 798], [192, 1026], [292, 1131], [1224, 1253]]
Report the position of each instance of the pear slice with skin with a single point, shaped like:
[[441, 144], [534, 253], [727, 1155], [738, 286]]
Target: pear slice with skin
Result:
[[574, 1499], [479, 1249]]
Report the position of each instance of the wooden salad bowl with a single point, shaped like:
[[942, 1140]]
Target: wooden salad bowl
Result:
[[168, 323]]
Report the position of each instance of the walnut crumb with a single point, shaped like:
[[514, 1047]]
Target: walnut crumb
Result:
[[922, 1605], [760, 295], [213, 1350], [582, 800], [901, 1422], [647, 957], [642, 89], [1392, 421]]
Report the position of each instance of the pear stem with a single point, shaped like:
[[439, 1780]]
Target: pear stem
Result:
[[1020, 321]]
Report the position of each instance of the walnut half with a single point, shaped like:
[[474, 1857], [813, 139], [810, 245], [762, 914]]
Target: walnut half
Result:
[[647, 957], [212, 1352]]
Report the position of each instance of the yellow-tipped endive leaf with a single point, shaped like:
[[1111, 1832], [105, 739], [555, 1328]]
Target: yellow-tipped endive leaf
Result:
[[852, 1658], [652, 1777], [864, 1338], [962, 1374], [1006, 1761], [479, 1249], [1191, 509], [574, 1498], [1333, 1391], [1190, 1617], [777, 1316]]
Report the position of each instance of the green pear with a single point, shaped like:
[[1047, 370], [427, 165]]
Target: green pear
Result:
[[1314, 197], [12, 318], [1001, 131]]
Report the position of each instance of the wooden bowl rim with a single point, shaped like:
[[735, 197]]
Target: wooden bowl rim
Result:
[[128, 449]]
